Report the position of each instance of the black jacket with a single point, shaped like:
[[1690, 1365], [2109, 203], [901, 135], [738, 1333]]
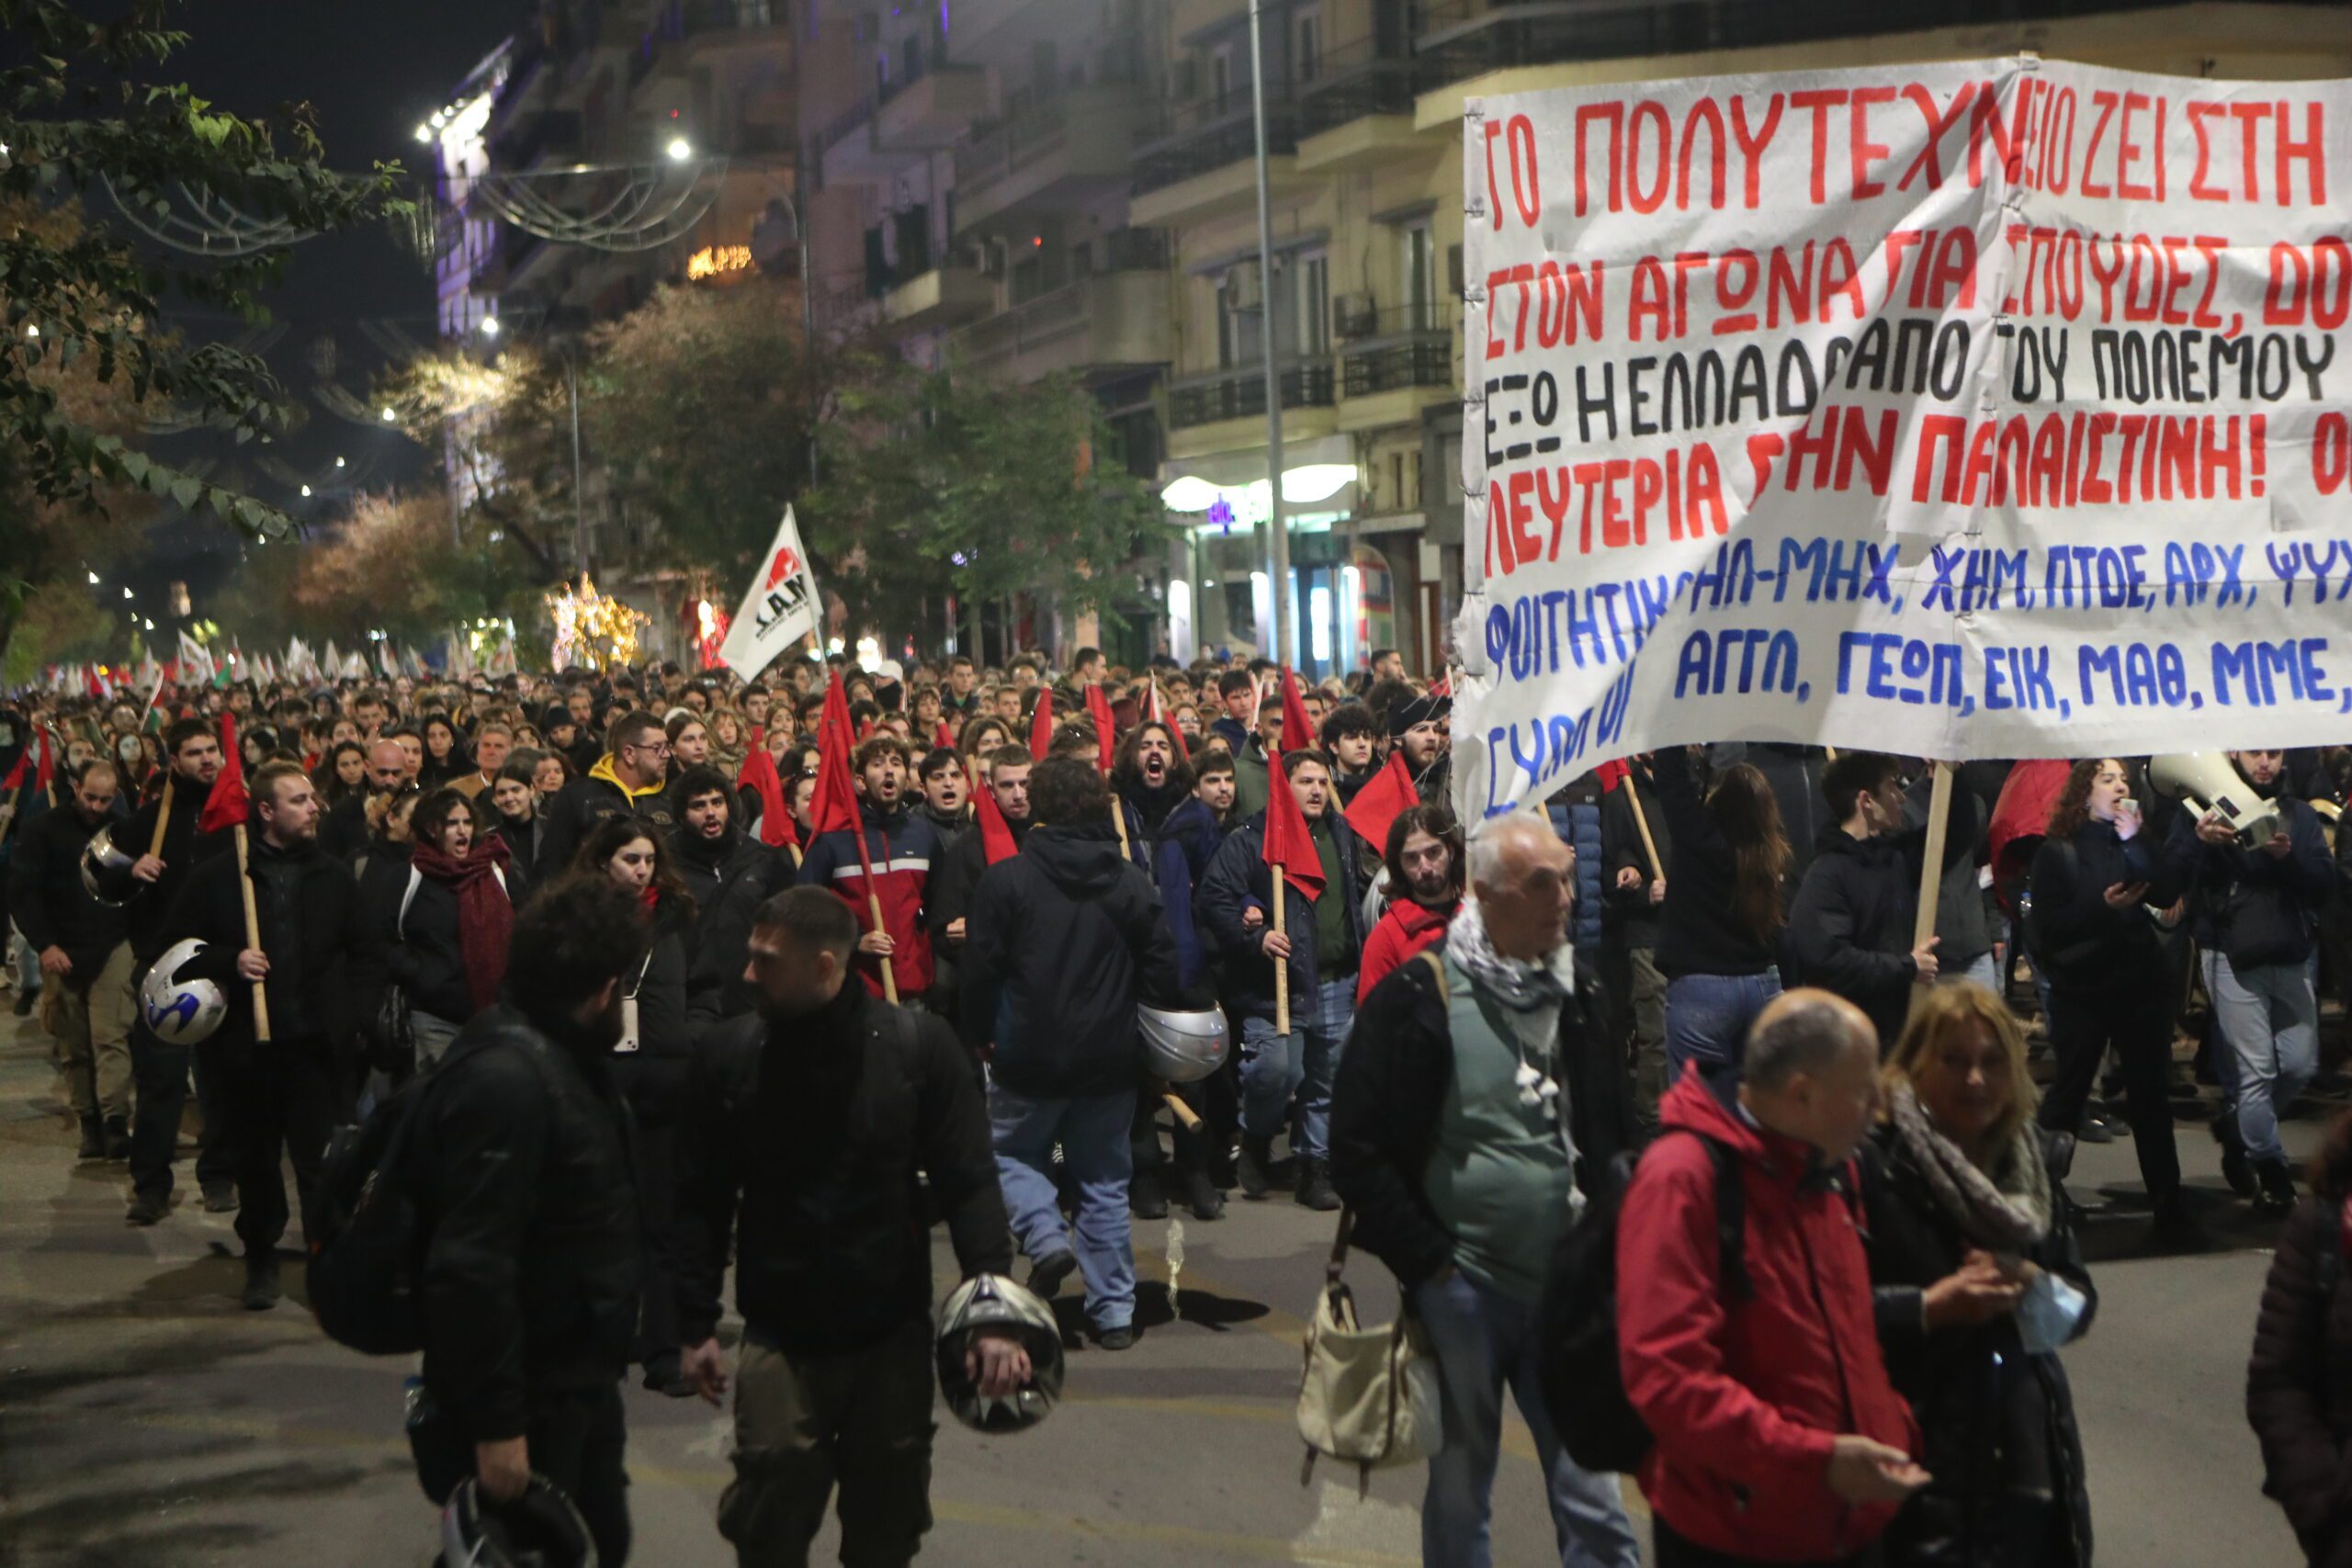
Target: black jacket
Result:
[[525, 841], [653, 1077], [1856, 912], [1237, 879], [326, 962], [528, 1188], [1994, 1417], [807, 1136], [948, 898], [1794, 774], [2082, 944], [1621, 846], [48, 902], [573, 811], [2299, 1383], [1392, 1086], [722, 946], [2250, 905], [1063, 941], [709, 869], [1699, 929], [422, 952], [149, 912], [343, 831]]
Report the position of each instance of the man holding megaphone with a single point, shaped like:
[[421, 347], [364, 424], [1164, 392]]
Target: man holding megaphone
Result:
[[2259, 873]]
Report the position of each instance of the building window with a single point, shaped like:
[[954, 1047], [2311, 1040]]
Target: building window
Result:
[[1240, 318], [1220, 76], [1310, 300], [1417, 276], [1307, 46]]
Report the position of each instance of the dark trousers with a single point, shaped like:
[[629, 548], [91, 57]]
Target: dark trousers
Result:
[[860, 1421], [159, 1074], [280, 1101], [577, 1440], [1671, 1551], [657, 1191], [2137, 1022]]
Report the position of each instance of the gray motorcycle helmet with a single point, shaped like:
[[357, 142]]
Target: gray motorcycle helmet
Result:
[[991, 1301], [539, 1529], [105, 870], [180, 1013], [1182, 1047]]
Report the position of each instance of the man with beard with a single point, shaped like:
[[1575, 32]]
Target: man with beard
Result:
[[1417, 726], [84, 960], [713, 853], [531, 1273], [816, 1123], [159, 1070], [901, 847], [316, 952], [1005, 775], [1425, 869], [632, 777], [343, 832]]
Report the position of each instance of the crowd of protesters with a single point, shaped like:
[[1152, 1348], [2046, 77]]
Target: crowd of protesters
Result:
[[638, 921]]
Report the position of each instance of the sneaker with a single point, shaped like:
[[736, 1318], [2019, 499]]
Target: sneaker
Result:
[[221, 1196], [2096, 1130], [1145, 1200], [146, 1209], [1251, 1172], [1120, 1338], [1045, 1275], [1202, 1197], [261, 1281], [2277, 1187], [1315, 1189]]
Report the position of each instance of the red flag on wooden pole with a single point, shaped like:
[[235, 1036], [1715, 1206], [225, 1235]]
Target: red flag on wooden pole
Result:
[[1041, 725], [834, 808], [760, 776], [228, 803], [1383, 798], [1297, 733], [1098, 708], [996, 833]]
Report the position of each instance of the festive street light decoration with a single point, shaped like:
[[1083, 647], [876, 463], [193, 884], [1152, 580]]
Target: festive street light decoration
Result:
[[591, 630]]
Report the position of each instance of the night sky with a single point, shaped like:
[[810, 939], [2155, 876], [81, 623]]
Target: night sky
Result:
[[372, 69]]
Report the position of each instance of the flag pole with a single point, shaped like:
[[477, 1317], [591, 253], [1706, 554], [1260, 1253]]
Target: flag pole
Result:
[[1281, 965], [252, 936], [1641, 823], [163, 818], [1931, 863]]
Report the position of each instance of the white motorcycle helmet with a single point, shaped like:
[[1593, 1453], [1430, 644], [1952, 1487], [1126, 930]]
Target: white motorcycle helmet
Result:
[[991, 1301], [1182, 1047], [180, 1013], [105, 870]]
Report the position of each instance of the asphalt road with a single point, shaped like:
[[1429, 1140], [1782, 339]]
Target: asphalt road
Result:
[[145, 1419]]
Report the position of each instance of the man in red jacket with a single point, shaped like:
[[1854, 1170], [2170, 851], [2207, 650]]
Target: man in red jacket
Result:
[[1778, 1438], [1425, 871]]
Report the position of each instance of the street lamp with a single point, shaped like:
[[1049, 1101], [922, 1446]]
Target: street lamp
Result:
[[680, 149], [490, 326]]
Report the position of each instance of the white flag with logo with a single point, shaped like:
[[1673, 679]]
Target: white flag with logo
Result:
[[780, 608]]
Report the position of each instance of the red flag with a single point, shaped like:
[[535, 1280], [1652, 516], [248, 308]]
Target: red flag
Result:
[[2021, 821], [942, 740], [228, 803], [833, 808], [1383, 798], [996, 833], [16, 779], [1297, 733], [1612, 775], [760, 776], [45, 769], [864, 731], [1290, 845], [1098, 707], [1041, 726]]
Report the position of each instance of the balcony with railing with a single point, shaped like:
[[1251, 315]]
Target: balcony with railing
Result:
[[1368, 78], [1064, 152], [1394, 349], [1239, 391], [1108, 321], [1208, 134]]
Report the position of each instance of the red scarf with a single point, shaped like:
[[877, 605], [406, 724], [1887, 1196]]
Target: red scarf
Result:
[[485, 913]]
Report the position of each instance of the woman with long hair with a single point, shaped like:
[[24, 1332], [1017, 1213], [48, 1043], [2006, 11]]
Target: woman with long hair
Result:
[[1978, 1281], [2299, 1383], [1719, 930], [445, 759], [650, 1060], [445, 920], [980, 737], [344, 771], [2095, 880], [730, 740], [689, 741]]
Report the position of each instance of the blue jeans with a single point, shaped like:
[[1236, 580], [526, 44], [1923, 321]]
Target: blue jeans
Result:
[[1982, 972], [1093, 1131], [2267, 1018], [1303, 1062], [1484, 1339], [1707, 1017]]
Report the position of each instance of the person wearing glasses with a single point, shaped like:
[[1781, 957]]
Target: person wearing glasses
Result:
[[630, 778]]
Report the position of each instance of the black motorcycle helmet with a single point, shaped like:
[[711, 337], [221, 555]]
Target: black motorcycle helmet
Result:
[[539, 1529]]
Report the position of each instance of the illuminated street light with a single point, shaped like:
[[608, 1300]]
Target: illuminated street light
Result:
[[389, 416], [306, 489], [338, 462], [424, 133], [94, 579], [490, 326], [679, 150]]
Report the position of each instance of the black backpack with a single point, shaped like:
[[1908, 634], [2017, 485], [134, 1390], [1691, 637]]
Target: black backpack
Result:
[[365, 1230], [1584, 1384]]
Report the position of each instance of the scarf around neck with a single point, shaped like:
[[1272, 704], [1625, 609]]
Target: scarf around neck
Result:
[[485, 909], [1515, 983], [2007, 1210]]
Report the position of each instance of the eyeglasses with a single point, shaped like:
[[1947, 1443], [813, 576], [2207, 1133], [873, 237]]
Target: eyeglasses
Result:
[[658, 748]]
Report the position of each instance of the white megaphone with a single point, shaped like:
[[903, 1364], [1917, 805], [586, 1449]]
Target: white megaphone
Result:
[[2209, 782]]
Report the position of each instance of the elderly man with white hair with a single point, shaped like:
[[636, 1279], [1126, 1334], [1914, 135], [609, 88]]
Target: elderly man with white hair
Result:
[[1479, 1084]]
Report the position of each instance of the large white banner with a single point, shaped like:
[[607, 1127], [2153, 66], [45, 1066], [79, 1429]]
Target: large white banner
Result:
[[779, 608], [1977, 409]]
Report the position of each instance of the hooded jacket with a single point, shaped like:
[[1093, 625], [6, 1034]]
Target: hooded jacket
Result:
[[1182, 842], [324, 957], [1064, 940], [48, 902], [1404, 929], [1621, 847], [149, 912], [573, 811], [903, 849], [1745, 1397]]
